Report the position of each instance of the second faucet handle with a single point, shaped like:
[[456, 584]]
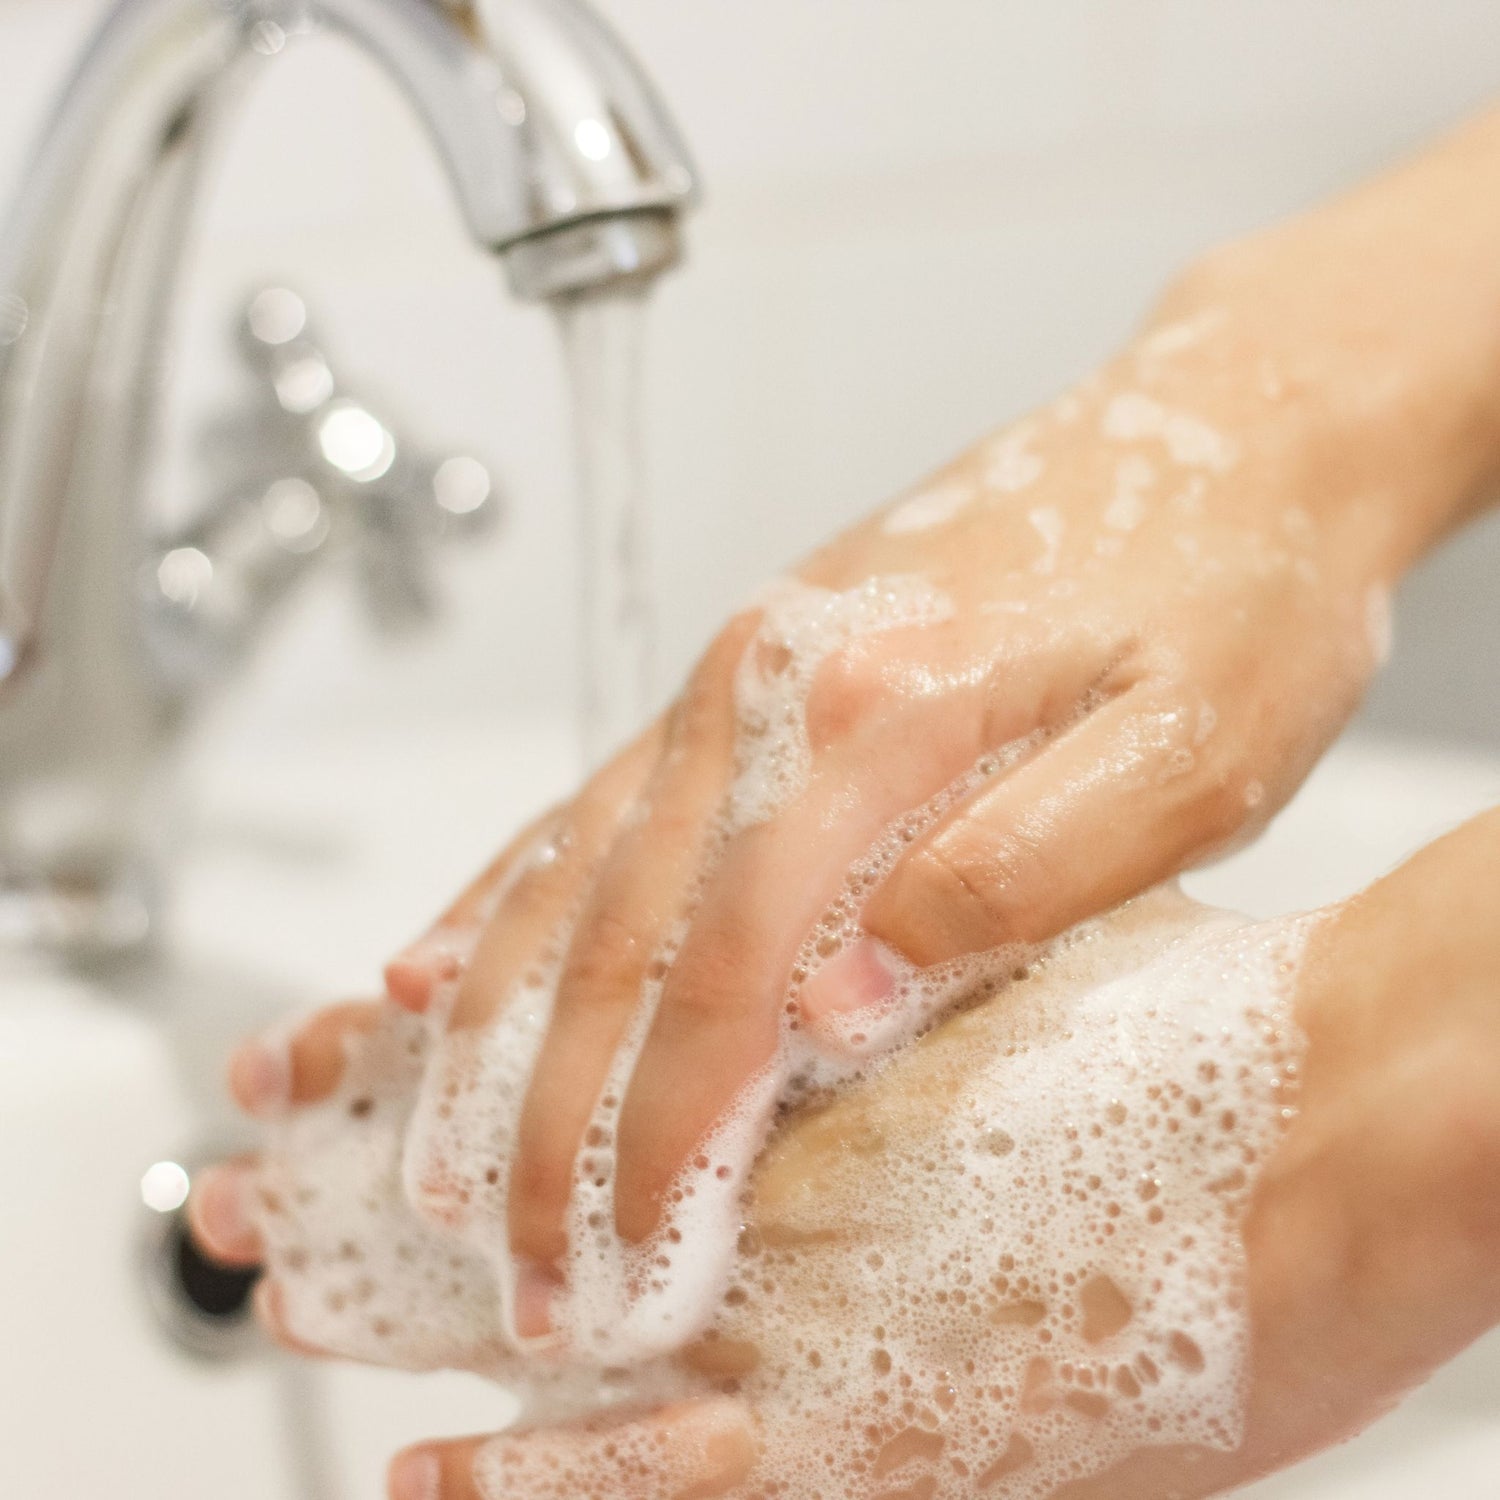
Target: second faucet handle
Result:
[[313, 471]]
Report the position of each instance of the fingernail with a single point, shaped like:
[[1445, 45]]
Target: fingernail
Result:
[[536, 1288], [222, 1212], [260, 1078], [862, 976], [436, 959], [416, 1476]]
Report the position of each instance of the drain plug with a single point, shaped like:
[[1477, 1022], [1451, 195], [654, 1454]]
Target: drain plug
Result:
[[203, 1306]]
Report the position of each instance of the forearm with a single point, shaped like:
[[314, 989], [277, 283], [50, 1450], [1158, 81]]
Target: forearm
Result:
[[1389, 1182], [1357, 349], [1373, 1246]]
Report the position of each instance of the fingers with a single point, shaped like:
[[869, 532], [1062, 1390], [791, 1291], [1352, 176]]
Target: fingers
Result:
[[270, 1073], [461, 1146], [890, 732], [694, 1451], [218, 1213], [437, 957], [270, 1312], [1112, 806], [722, 1010], [221, 1226], [643, 890], [550, 881], [265, 1077], [441, 954]]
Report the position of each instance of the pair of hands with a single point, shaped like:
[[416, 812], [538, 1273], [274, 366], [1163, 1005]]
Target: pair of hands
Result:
[[1371, 1245], [1164, 592], [1157, 602]]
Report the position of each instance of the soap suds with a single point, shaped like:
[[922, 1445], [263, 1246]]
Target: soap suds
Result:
[[1041, 1269], [468, 1118], [1019, 1258], [1011, 1288], [801, 628], [459, 1148], [359, 1271], [1133, 416], [929, 508], [1047, 521], [1010, 465], [1134, 476]]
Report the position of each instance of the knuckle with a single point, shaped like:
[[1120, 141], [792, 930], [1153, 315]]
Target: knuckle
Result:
[[605, 963], [533, 895], [995, 877], [1206, 787], [542, 1173], [849, 690], [707, 984]]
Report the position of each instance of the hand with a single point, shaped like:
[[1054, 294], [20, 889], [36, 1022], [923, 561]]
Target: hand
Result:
[[1370, 1251], [1348, 366], [352, 1270], [1132, 621], [1148, 607]]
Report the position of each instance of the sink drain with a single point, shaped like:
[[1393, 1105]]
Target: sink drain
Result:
[[203, 1306]]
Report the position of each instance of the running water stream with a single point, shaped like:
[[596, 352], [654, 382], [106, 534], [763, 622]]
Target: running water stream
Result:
[[602, 336]]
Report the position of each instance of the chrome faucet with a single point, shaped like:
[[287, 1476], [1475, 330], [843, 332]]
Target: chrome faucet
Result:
[[566, 166]]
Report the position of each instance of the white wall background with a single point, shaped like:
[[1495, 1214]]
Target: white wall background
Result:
[[923, 215]]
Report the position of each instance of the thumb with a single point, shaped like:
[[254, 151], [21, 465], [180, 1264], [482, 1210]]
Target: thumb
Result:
[[693, 1451], [1125, 798]]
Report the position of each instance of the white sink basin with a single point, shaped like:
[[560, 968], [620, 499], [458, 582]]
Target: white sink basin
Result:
[[308, 867]]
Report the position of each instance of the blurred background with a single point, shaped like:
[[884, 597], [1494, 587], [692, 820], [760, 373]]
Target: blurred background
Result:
[[922, 217]]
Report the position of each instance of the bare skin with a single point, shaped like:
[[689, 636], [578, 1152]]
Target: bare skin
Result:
[[1184, 614], [1183, 601], [1373, 1239]]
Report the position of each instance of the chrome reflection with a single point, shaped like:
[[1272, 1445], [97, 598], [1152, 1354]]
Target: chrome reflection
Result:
[[184, 576], [461, 485], [165, 1186], [356, 442]]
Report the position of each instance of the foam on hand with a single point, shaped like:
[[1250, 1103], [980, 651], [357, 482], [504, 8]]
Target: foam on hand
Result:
[[359, 1272], [801, 628], [1019, 1257], [621, 1306], [1012, 1260], [1006, 1264], [461, 1142]]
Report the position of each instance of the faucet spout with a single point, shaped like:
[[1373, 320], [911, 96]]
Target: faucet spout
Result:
[[565, 164], [562, 156]]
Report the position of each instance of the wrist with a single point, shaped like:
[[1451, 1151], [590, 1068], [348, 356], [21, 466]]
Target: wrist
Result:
[[1364, 339], [1399, 1113]]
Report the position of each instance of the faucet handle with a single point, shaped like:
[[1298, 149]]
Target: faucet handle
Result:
[[314, 472]]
